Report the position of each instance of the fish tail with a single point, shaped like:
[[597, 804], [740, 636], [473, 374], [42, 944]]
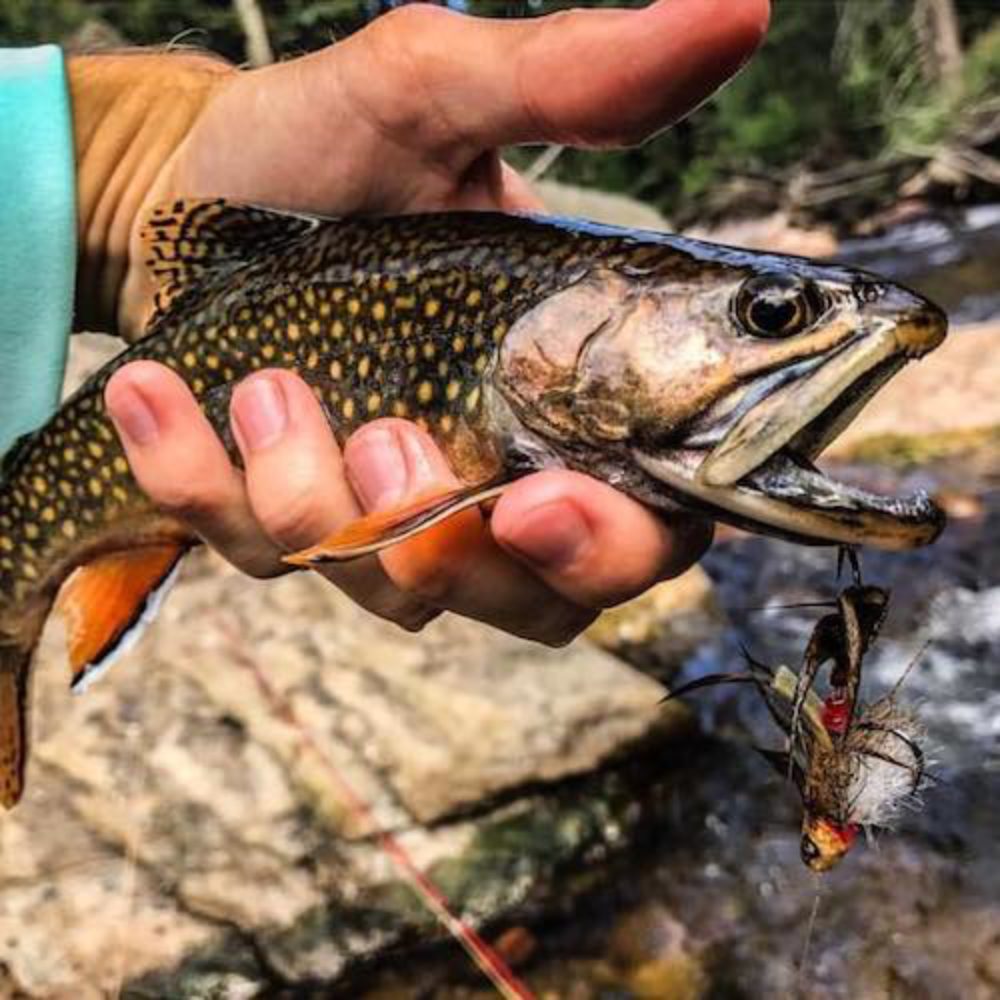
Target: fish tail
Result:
[[15, 663]]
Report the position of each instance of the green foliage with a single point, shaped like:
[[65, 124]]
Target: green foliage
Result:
[[835, 79]]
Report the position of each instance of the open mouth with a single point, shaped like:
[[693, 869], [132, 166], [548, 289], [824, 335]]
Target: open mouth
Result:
[[759, 472]]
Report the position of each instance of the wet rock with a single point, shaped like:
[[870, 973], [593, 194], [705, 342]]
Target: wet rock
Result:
[[660, 629]]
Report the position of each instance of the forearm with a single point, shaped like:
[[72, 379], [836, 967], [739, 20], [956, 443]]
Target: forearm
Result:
[[131, 111]]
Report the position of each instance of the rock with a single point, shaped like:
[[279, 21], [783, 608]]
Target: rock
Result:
[[599, 206], [229, 771], [951, 390], [774, 232], [650, 951], [660, 629]]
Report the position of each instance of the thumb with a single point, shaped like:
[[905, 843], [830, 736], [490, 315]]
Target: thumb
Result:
[[580, 77]]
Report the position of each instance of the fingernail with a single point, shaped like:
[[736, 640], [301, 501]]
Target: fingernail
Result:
[[552, 536], [134, 417], [259, 412], [377, 468]]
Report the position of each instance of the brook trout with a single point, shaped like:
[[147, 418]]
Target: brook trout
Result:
[[689, 375]]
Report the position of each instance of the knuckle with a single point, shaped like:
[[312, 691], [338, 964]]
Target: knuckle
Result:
[[190, 498], [425, 580], [295, 520]]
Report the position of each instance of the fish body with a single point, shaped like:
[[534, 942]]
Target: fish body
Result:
[[690, 375]]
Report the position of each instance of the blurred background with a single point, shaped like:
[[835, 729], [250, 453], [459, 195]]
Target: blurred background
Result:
[[203, 822]]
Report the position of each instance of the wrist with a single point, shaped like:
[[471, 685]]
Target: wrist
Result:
[[131, 112]]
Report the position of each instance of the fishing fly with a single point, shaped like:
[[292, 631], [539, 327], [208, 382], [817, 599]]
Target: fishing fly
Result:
[[856, 765]]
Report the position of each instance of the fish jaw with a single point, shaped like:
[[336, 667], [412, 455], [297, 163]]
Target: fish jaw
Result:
[[758, 471]]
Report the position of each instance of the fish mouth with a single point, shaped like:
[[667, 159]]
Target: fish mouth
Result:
[[756, 469]]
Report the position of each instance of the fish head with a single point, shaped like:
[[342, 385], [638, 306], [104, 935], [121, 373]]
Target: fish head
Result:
[[718, 376], [824, 842]]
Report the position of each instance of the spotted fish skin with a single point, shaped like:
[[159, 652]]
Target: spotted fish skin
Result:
[[382, 318], [516, 342]]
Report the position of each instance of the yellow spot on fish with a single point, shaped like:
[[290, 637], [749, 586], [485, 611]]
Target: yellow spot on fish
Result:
[[458, 344], [95, 487], [268, 322], [95, 449], [411, 353], [314, 327], [404, 302], [391, 284], [337, 329], [69, 454], [104, 432], [39, 485], [267, 351], [447, 422], [48, 514], [374, 402], [310, 297], [500, 285], [198, 386], [474, 297], [378, 311], [399, 408], [29, 571], [294, 332], [428, 349], [6, 544], [212, 361], [348, 409], [65, 488], [119, 493], [312, 361], [121, 466], [292, 300], [68, 528], [363, 367], [353, 306], [31, 530], [338, 294], [252, 332], [189, 359], [336, 370], [498, 331], [454, 388], [425, 392], [481, 363], [431, 308]]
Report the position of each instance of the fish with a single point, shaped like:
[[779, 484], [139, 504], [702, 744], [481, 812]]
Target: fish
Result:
[[856, 765], [690, 375]]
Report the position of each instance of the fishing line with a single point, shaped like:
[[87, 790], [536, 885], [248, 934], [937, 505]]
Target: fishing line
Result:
[[807, 943], [483, 955]]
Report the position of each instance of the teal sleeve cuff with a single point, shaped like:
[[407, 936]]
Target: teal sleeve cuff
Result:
[[37, 235]]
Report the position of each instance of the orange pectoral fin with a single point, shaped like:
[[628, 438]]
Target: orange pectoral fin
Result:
[[378, 531], [108, 602]]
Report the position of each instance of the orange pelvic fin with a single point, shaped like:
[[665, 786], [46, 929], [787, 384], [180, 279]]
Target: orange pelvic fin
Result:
[[14, 666], [378, 531], [108, 603]]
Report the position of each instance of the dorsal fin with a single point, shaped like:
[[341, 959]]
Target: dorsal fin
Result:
[[190, 239]]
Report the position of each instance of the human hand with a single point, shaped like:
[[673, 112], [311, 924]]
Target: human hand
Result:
[[407, 115]]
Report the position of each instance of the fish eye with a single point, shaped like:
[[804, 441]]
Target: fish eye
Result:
[[777, 305]]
